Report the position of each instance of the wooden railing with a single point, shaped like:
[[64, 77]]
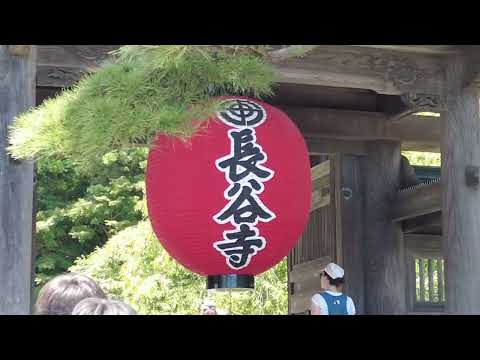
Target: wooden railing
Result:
[[426, 269], [429, 285]]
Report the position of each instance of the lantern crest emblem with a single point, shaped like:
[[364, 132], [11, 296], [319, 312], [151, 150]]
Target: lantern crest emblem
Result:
[[242, 113]]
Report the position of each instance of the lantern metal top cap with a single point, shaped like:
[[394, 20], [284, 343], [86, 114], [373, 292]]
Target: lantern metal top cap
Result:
[[230, 282]]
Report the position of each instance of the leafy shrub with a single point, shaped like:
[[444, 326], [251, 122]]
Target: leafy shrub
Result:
[[133, 266], [78, 212]]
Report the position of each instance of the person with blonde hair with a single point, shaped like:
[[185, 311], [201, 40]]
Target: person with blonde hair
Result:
[[331, 301], [61, 294], [96, 306]]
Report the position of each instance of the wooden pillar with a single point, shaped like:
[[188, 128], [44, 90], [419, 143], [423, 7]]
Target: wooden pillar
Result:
[[350, 214], [385, 273], [17, 93], [461, 203]]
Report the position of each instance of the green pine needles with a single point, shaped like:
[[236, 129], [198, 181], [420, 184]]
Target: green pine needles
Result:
[[140, 92]]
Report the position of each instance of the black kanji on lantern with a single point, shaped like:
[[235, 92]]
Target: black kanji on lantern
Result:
[[244, 172], [242, 113], [245, 159], [240, 245], [245, 206]]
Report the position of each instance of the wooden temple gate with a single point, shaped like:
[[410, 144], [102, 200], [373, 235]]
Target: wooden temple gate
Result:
[[335, 233], [357, 106]]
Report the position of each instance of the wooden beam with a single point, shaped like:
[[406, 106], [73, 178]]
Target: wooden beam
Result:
[[321, 170], [417, 201], [305, 271], [321, 197], [415, 128], [294, 95], [422, 245], [338, 124], [305, 279], [301, 303], [382, 70], [424, 49], [289, 52], [80, 56], [364, 126], [320, 185], [17, 94], [63, 65], [311, 285], [59, 76], [327, 146], [419, 223], [411, 103]]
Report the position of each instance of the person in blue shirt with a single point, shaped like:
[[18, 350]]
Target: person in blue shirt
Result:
[[331, 301]]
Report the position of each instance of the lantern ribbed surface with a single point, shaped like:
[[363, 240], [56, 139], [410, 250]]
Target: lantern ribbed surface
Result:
[[236, 197]]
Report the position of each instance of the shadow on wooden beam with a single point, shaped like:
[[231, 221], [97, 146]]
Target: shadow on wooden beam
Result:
[[417, 201], [422, 223]]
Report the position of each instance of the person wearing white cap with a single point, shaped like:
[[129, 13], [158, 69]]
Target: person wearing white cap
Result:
[[332, 301]]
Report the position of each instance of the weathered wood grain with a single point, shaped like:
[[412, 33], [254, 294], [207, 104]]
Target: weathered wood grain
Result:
[[422, 245], [420, 133], [461, 210], [417, 224], [309, 269], [320, 185], [420, 200], [321, 170], [385, 272], [382, 70], [306, 282], [327, 146], [351, 208], [17, 93], [63, 65]]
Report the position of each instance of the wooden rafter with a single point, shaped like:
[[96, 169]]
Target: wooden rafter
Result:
[[382, 70], [420, 200], [363, 125], [328, 146], [320, 185], [419, 224], [423, 245]]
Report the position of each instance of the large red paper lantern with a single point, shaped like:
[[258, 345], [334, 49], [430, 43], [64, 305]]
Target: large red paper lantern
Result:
[[235, 198]]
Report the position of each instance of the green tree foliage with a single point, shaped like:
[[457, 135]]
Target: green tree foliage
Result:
[[423, 158], [97, 218], [134, 267], [78, 212]]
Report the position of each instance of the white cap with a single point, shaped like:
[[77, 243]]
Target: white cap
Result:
[[334, 271]]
